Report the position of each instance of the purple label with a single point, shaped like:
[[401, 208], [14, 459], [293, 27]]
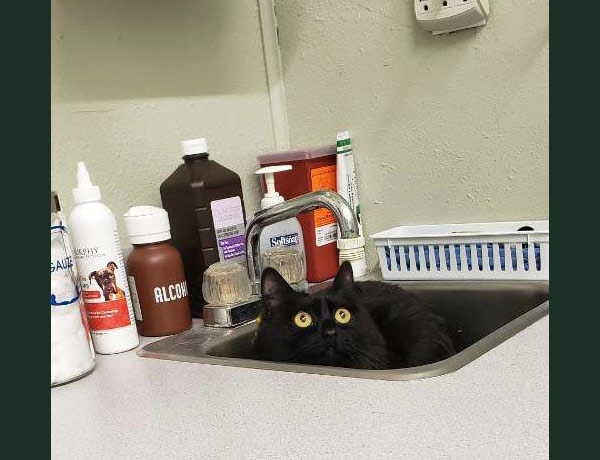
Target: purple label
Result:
[[228, 218], [233, 247]]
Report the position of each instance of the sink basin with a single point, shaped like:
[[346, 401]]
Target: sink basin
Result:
[[480, 315]]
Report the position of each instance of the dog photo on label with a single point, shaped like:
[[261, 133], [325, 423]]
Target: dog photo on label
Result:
[[107, 281]]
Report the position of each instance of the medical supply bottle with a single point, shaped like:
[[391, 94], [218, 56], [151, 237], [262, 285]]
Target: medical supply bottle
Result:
[[206, 212], [71, 352], [155, 271], [101, 269]]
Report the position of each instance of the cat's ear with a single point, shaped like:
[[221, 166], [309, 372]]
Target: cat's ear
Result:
[[272, 283], [345, 277]]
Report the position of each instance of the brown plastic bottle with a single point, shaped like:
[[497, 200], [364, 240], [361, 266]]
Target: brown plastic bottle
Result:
[[155, 273], [206, 211]]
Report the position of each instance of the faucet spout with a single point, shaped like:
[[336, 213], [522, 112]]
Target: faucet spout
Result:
[[334, 202]]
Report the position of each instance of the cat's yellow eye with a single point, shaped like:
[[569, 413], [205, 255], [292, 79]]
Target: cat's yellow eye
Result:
[[302, 319], [342, 316]]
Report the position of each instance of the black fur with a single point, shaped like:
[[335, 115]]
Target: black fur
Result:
[[389, 327]]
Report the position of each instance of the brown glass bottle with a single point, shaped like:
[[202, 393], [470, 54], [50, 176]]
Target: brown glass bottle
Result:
[[156, 275], [206, 212]]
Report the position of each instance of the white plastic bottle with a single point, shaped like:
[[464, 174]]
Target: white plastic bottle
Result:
[[101, 269], [287, 232]]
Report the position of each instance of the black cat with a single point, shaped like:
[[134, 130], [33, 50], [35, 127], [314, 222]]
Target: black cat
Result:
[[365, 325]]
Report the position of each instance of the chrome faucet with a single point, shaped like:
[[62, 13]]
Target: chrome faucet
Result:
[[322, 199]]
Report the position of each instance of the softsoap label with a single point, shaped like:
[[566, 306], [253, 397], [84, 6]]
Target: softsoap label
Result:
[[228, 219], [293, 239]]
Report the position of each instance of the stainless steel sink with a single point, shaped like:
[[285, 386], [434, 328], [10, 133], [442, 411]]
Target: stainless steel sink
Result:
[[480, 315]]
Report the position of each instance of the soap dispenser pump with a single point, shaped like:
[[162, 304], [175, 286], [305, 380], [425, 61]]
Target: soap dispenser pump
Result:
[[285, 234], [271, 197]]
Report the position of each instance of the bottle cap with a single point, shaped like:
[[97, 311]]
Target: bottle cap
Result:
[[147, 224], [272, 197], [85, 190], [194, 146], [343, 142]]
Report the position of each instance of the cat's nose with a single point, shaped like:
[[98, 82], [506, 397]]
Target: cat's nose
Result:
[[329, 332], [328, 328]]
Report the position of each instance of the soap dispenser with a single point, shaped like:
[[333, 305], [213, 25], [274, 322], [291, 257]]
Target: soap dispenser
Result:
[[287, 233]]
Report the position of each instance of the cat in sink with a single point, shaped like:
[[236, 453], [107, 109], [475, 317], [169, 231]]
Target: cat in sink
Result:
[[363, 325]]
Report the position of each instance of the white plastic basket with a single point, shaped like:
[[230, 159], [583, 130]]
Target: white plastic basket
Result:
[[490, 251]]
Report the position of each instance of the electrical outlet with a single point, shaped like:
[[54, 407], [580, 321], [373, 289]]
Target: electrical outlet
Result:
[[424, 6], [435, 5], [443, 16]]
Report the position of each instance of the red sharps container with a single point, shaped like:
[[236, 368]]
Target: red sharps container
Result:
[[312, 169]]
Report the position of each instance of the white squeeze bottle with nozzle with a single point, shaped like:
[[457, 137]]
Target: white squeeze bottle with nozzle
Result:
[[101, 269], [286, 233]]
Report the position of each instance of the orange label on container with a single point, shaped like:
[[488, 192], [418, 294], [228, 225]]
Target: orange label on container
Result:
[[324, 178]]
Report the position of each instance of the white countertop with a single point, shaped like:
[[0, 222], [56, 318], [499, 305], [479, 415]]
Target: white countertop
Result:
[[140, 408]]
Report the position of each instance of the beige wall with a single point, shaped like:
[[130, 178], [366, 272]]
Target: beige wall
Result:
[[447, 128], [131, 78]]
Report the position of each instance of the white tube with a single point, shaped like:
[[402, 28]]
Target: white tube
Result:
[[353, 251], [346, 175]]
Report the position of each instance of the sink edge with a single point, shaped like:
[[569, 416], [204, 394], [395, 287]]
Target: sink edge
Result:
[[439, 368]]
